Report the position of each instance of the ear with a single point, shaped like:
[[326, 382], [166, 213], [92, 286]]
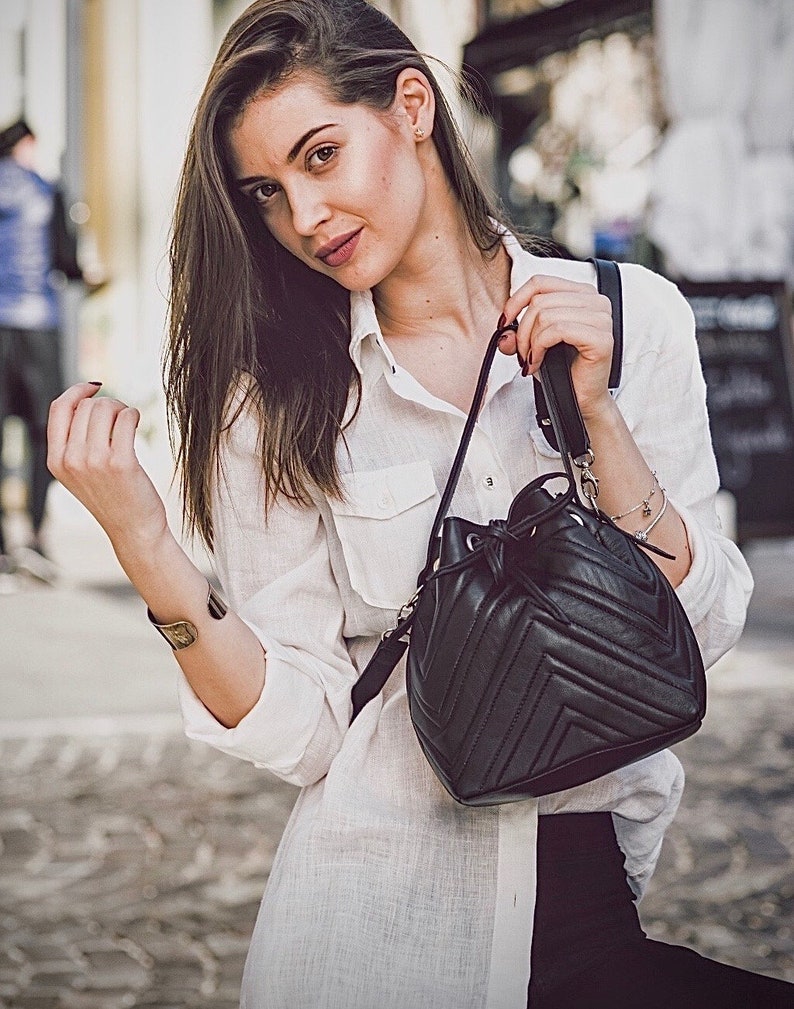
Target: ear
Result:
[[414, 99]]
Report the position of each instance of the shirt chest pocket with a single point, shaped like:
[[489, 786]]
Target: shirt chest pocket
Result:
[[383, 526]]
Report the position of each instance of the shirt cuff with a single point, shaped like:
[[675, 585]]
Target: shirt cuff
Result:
[[262, 736], [703, 582]]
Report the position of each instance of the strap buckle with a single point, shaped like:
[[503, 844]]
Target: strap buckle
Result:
[[588, 479], [404, 616]]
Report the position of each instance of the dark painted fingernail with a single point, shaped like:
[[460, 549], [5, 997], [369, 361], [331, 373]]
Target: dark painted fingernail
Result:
[[525, 369], [502, 321], [522, 362], [95, 383]]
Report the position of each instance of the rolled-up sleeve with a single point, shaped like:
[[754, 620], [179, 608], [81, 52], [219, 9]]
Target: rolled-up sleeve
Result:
[[276, 574], [673, 433]]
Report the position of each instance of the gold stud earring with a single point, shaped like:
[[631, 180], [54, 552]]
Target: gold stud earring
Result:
[[418, 132]]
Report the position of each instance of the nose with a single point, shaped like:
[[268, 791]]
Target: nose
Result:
[[309, 208]]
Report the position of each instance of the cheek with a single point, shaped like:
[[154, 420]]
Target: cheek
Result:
[[280, 228], [277, 219], [396, 182], [380, 170], [383, 166], [369, 187]]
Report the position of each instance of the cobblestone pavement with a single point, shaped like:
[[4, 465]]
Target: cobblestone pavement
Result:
[[725, 881], [132, 867]]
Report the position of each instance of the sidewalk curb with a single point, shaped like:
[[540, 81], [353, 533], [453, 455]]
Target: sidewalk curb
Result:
[[81, 727]]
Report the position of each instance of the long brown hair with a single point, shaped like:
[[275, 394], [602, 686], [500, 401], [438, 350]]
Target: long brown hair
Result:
[[241, 305]]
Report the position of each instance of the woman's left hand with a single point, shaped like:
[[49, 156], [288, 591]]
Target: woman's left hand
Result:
[[563, 311]]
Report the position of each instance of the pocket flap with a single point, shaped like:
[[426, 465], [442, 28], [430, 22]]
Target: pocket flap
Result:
[[384, 493]]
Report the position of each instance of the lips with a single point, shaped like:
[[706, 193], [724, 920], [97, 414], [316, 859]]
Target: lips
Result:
[[339, 250]]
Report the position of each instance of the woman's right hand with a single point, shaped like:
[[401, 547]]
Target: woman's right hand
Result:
[[91, 451]]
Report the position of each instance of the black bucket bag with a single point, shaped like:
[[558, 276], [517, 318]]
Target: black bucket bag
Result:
[[545, 649]]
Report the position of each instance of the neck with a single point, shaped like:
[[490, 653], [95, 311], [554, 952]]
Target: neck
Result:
[[444, 285]]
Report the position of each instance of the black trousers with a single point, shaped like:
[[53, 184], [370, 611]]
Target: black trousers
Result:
[[30, 378], [589, 951]]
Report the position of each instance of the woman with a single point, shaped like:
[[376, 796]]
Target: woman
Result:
[[337, 273]]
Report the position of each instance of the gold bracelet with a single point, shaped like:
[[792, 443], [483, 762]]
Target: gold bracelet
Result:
[[183, 633], [645, 504]]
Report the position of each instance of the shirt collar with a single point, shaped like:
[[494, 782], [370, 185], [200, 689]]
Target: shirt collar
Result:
[[368, 349]]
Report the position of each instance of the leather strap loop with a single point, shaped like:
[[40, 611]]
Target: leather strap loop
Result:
[[379, 668], [609, 283]]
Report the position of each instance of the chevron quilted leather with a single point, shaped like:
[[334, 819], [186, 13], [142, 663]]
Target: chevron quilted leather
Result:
[[546, 649], [601, 666]]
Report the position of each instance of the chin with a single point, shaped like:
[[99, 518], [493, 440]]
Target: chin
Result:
[[355, 278], [362, 273]]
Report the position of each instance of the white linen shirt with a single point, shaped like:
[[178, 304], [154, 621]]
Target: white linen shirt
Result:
[[385, 893]]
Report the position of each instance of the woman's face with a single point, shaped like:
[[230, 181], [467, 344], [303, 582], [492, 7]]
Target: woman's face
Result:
[[340, 186]]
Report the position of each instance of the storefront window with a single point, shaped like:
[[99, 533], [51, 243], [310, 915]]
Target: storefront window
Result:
[[579, 130]]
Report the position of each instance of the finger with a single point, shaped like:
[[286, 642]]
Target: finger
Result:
[[68, 400], [101, 417], [123, 438], [579, 299], [589, 301], [592, 306], [60, 417], [507, 341], [541, 284], [91, 423], [587, 340], [537, 320]]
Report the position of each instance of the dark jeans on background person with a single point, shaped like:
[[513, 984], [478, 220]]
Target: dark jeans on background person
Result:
[[30, 378], [589, 951]]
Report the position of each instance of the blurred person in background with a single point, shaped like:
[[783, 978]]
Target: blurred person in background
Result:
[[35, 243], [337, 273]]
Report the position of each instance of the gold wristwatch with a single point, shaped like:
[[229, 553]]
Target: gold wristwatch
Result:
[[183, 632]]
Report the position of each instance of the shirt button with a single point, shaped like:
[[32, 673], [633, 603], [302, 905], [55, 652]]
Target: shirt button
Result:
[[488, 481], [383, 501]]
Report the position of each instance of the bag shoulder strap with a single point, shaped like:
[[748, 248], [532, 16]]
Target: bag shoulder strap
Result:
[[573, 441], [609, 283]]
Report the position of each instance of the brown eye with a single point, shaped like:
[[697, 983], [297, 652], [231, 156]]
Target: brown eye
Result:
[[264, 192], [321, 155]]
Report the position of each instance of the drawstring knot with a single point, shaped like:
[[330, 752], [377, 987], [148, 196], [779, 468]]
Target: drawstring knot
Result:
[[492, 542]]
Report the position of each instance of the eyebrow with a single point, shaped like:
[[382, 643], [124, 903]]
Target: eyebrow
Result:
[[296, 148], [293, 152]]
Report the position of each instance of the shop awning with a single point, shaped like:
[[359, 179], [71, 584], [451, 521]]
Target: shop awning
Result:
[[525, 40]]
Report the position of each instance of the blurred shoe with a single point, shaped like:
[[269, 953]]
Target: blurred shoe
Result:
[[33, 561], [8, 582]]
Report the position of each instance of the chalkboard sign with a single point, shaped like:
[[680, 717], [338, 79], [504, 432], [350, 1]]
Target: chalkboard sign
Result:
[[744, 338]]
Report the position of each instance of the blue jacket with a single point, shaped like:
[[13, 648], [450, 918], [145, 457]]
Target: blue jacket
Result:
[[28, 299]]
